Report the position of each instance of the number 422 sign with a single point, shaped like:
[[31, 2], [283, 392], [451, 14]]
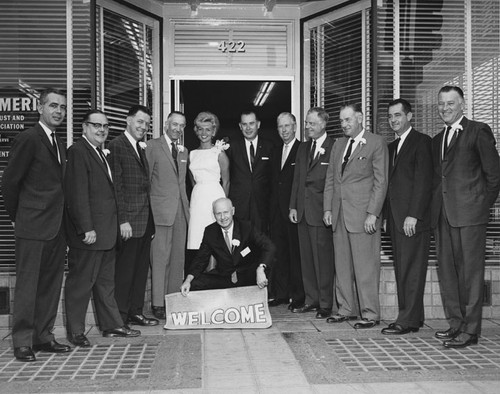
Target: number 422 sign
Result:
[[232, 46]]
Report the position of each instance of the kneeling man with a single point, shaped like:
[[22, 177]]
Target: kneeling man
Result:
[[242, 252]]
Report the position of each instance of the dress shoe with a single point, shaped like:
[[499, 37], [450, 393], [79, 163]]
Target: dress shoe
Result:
[[295, 305], [461, 340], [79, 340], [121, 332], [277, 302], [323, 313], [51, 347], [158, 312], [366, 323], [340, 318], [305, 308], [398, 329], [24, 353], [450, 333], [141, 320]]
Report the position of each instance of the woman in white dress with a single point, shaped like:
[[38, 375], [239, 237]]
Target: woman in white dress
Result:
[[209, 170]]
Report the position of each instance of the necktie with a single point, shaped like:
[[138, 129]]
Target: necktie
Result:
[[139, 149], [252, 155], [174, 154], [285, 155], [445, 142], [312, 153], [347, 155], [396, 148], [54, 145], [228, 242]]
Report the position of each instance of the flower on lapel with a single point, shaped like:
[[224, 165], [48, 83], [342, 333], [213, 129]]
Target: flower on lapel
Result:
[[142, 144], [221, 145], [362, 141], [180, 148], [458, 129], [321, 151], [235, 243], [106, 152]]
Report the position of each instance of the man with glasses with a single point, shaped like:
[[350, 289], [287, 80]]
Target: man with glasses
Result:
[[129, 168], [33, 193], [92, 230]]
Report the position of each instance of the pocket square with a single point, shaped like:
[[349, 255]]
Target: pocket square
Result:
[[264, 158], [245, 251], [292, 164], [183, 161], [324, 164], [361, 158]]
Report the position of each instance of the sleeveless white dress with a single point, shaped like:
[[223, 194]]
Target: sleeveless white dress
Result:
[[204, 165]]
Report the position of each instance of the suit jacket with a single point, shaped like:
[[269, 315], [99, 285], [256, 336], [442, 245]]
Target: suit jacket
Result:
[[249, 185], [259, 247], [309, 183], [410, 190], [467, 180], [90, 199], [362, 187], [130, 178], [32, 185], [282, 179], [168, 186]]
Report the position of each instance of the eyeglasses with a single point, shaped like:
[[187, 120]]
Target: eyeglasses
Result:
[[99, 125]]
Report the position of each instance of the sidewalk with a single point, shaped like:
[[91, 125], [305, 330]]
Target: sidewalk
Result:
[[298, 354]]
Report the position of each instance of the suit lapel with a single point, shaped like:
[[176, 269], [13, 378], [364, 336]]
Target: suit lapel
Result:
[[48, 143], [454, 140], [340, 155], [291, 153], [236, 235], [95, 156], [407, 143], [168, 153]]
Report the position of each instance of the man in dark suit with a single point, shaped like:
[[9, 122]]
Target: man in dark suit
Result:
[[355, 189], [286, 275], [92, 228], [407, 211], [167, 175], [32, 187], [306, 209], [242, 252], [250, 169], [130, 178], [465, 185]]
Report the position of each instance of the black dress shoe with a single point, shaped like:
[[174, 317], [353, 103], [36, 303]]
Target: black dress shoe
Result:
[[141, 320], [398, 329], [340, 318], [366, 323], [461, 340], [158, 312], [24, 353], [450, 333], [277, 302], [79, 340], [306, 308], [52, 347], [295, 305], [121, 332], [323, 313]]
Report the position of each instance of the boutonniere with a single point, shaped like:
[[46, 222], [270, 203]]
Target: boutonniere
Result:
[[180, 148], [142, 144], [106, 152], [235, 243], [459, 128], [221, 145], [362, 141], [321, 151]]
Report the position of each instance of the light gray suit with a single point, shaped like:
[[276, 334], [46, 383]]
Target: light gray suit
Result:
[[170, 208], [350, 197]]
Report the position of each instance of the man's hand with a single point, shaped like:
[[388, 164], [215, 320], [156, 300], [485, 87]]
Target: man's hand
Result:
[[126, 231], [370, 224], [409, 226], [186, 285], [90, 237], [261, 277], [327, 218], [292, 215]]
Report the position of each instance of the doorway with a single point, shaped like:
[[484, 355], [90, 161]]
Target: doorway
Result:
[[227, 99]]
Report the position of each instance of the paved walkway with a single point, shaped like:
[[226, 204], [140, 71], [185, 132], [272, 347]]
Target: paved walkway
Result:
[[298, 354]]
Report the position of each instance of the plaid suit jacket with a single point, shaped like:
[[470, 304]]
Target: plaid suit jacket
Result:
[[130, 178]]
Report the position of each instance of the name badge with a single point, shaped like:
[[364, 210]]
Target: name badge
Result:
[[245, 251]]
